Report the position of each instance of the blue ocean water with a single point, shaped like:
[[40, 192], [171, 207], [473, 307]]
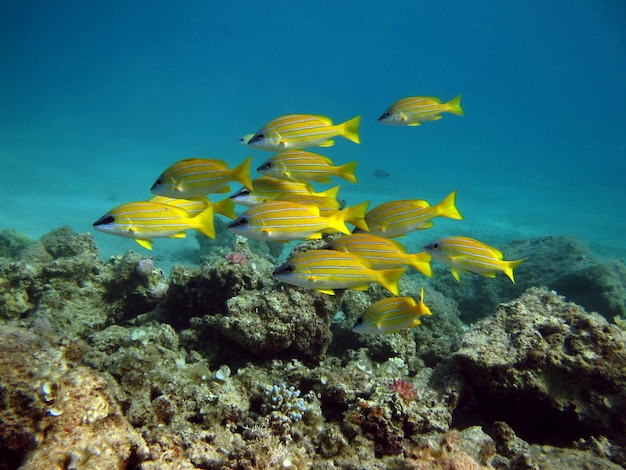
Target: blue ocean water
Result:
[[96, 99]]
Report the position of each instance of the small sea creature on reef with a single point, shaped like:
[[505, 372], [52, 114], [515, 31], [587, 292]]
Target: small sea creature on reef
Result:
[[298, 131], [414, 110], [236, 258], [267, 188], [391, 315], [145, 220], [196, 177], [396, 218], [382, 253], [300, 165], [327, 270], [380, 173], [464, 254], [285, 221], [404, 389]]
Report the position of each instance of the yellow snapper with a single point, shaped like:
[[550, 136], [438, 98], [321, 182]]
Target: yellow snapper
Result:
[[391, 315], [464, 254], [327, 270], [298, 131], [414, 110], [267, 188], [382, 253], [145, 220], [328, 205], [193, 207], [195, 177], [397, 218], [300, 165], [286, 221]]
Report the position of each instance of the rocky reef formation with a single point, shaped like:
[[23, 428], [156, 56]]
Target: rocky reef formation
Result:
[[114, 365]]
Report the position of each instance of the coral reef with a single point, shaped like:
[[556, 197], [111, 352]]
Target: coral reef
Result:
[[114, 365]]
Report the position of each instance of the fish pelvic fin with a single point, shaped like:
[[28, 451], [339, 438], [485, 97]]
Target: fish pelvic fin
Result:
[[350, 129], [454, 106], [203, 222], [355, 215], [447, 207], [242, 173], [390, 278], [146, 243], [347, 171], [421, 262], [509, 266]]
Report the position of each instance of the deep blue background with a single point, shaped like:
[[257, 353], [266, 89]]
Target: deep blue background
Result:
[[97, 98]]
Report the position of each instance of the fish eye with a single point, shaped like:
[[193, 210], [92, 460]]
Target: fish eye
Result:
[[436, 246], [106, 220], [266, 166]]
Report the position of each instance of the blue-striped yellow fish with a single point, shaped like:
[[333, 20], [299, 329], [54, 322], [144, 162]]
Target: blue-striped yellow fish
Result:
[[414, 110], [286, 221], [382, 253], [267, 188], [298, 131], [195, 177], [391, 315], [193, 207], [397, 218], [300, 165], [145, 220], [327, 270], [328, 204], [464, 254]]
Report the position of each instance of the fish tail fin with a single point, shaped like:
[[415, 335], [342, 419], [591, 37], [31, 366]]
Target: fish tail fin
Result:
[[226, 207], [347, 171], [509, 266], [203, 222], [331, 193], [390, 278], [421, 262], [454, 106], [337, 221], [447, 207], [242, 173], [350, 129], [355, 215]]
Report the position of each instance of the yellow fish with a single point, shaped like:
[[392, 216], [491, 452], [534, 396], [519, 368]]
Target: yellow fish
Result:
[[267, 188], [145, 220], [196, 177], [327, 270], [382, 253], [464, 254], [298, 131], [328, 205], [415, 110], [300, 165], [193, 207], [286, 221], [397, 218], [391, 315]]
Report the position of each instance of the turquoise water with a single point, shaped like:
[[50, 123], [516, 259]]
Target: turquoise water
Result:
[[96, 99]]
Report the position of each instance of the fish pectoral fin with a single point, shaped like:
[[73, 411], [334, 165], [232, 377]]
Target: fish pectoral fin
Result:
[[328, 143], [326, 291], [147, 244]]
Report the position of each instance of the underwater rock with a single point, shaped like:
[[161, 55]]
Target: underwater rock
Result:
[[12, 243], [561, 263], [58, 415], [134, 285], [552, 371]]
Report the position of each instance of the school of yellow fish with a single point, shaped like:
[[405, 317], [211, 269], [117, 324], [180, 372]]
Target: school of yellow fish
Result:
[[283, 206]]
